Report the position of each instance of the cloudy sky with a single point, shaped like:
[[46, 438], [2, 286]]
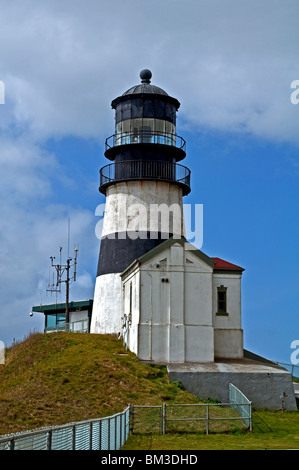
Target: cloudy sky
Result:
[[230, 63]]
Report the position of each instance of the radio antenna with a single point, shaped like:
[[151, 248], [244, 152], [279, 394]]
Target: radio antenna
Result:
[[63, 274], [68, 238]]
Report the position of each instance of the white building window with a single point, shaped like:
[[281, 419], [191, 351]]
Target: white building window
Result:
[[221, 300]]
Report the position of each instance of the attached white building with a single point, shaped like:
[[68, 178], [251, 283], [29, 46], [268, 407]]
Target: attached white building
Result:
[[179, 305]]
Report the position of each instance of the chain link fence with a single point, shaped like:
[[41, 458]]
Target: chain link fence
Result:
[[109, 433], [239, 402], [194, 418], [292, 368]]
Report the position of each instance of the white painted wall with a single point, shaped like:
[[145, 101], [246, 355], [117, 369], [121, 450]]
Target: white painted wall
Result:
[[228, 343], [131, 310], [233, 284], [175, 316], [132, 206], [79, 320], [107, 305], [228, 330], [78, 315]]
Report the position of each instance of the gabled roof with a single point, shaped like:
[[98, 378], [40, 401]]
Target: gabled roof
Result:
[[221, 264], [217, 264]]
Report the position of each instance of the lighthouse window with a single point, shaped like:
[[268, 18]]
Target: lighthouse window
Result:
[[221, 300], [148, 124], [145, 130]]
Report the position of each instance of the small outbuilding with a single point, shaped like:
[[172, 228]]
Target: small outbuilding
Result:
[[79, 316], [180, 305]]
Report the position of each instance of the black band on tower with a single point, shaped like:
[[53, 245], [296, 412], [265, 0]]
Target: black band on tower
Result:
[[119, 250]]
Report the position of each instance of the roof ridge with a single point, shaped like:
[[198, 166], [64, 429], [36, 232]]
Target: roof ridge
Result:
[[223, 264]]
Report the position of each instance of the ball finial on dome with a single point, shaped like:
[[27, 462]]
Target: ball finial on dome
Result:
[[145, 76]]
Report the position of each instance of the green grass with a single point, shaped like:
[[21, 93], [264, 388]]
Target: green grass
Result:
[[57, 378], [271, 430]]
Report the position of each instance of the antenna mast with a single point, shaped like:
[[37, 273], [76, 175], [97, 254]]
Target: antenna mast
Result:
[[62, 269]]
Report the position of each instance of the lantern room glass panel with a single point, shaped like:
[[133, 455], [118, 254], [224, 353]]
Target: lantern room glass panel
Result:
[[145, 130]]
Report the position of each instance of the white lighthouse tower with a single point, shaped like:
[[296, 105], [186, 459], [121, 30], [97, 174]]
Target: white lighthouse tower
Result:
[[144, 186]]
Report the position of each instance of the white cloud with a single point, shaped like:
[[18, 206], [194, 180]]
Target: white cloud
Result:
[[229, 62]]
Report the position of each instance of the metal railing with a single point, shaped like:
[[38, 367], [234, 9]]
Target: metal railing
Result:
[[193, 418], [292, 368], [145, 137], [109, 433], [145, 170], [240, 402], [80, 326]]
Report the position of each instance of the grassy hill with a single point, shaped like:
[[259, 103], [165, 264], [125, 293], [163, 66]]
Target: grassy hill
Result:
[[56, 378]]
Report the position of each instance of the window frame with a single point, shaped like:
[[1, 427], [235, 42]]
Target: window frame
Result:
[[222, 310]]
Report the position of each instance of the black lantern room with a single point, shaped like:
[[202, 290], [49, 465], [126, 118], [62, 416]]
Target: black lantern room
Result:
[[145, 145]]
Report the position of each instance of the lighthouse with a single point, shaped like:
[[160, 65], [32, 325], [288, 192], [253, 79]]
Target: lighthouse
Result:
[[144, 183], [170, 303]]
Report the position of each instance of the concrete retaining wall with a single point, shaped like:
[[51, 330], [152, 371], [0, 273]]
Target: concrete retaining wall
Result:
[[263, 385]]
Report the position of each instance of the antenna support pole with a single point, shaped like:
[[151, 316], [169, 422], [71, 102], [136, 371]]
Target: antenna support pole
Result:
[[60, 270], [67, 288]]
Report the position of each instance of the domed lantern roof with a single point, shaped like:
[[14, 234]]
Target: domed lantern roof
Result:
[[145, 88]]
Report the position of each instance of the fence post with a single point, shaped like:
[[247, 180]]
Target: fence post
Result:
[[90, 435], [207, 425], [49, 440], [109, 440], [164, 417], [120, 429], [74, 437], [100, 435], [131, 419], [129, 423]]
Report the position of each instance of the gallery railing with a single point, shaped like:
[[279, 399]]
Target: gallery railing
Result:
[[145, 137], [145, 170]]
